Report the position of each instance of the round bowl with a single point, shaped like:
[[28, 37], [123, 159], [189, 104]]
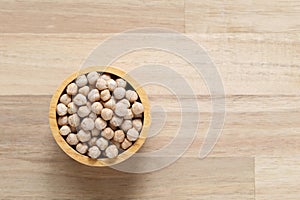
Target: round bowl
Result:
[[102, 161]]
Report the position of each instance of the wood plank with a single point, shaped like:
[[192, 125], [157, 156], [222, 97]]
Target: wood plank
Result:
[[255, 47], [234, 16], [249, 64], [33, 166], [89, 16], [254, 126], [56, 176], [261, 128], [277, 177]]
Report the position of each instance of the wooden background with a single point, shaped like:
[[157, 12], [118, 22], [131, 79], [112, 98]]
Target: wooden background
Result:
[[255, 45]]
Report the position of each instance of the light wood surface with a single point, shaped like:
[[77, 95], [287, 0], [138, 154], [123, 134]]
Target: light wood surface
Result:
[[89, 16], [255, 46], [234, 16]]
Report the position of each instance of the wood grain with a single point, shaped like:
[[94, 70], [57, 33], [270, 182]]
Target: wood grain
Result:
[[58, 177], [277, 177], [89, 16], [249, 130], [233, 16], [251, 60], [28, 149], [254, 45]]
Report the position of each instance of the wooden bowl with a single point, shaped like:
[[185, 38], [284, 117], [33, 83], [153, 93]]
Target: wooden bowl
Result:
[[102, 161]]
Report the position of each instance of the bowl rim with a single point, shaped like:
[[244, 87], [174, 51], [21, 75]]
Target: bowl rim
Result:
[[103, 161]]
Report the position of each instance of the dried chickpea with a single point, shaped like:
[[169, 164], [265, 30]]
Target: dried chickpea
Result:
[[111, 151], [94, 152], [119, 136], [72, 89]]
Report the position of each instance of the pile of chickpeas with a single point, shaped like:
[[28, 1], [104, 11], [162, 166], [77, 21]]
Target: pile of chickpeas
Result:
[[100, 115]]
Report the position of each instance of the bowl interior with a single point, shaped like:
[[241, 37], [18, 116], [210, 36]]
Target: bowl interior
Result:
[[102, 161]]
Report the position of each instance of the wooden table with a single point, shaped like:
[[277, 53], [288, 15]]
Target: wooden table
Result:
[[255, 45]]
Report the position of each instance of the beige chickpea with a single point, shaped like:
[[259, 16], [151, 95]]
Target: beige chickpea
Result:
[[106, 114], [72, 89], [62, 120], [64, 130], [61, 109], [121, 109], [132, 134], [131, 95], [92, 77], [106, 77], [129, 114], [94, 152], [111, 104], [74, 120], [125, 101], [72, 108], [79, 100], [126, 125], [116, 121], [84, 136], [137, 124], [92, 142], [121, 83], [119, 93], [111, 151], [65, 99], [72, 139], [137, 108], [100, 124], [84, 90], [102, 143], [97, 108], [94, 95], [93, 116], [81, 80], [111, 84], [126, 144], [83, 111], [95, 132], [87, 124], [82, 148], [101, 84], [108, 133], [119, 136], [105, 95]]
